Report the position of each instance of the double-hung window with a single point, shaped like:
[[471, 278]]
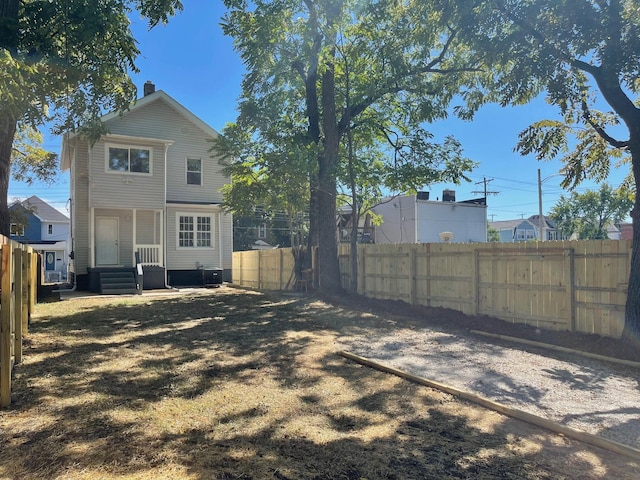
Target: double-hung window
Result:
[[128, 159], [194, 171], [17, 230], [195, 231]]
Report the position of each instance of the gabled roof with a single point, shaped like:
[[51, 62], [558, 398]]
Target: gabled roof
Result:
[[161, 95], [509, 224], [158, 95], [44, 211], [532, 220]]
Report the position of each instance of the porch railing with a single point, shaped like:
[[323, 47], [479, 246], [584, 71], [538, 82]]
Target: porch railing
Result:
[[149, 254]]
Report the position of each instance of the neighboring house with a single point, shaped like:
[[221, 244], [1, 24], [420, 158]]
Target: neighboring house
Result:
[[37, 224], [147, 189], [416, 219], [366, 229], [527, 229], [260, 231]]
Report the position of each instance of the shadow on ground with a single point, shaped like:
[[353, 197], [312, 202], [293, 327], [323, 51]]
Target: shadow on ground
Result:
[[244, 385]]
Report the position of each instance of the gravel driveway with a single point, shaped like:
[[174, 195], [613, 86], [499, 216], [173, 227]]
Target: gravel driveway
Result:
[[598, 397]]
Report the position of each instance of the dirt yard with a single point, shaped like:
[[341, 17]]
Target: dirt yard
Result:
[[233, 384]]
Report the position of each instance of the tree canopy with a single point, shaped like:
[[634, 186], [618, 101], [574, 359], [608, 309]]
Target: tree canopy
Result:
[[588, 215], [585, 54], [65, 62], [324, 67]]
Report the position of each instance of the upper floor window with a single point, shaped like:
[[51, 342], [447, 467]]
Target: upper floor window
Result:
[[17, 230], [262, 230], [194, 171], [129, 159], [194, 231], [50, 229]]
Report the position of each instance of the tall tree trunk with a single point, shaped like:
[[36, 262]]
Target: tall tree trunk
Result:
[[631, 332], [326, 192], [7, 134], [8, 120]]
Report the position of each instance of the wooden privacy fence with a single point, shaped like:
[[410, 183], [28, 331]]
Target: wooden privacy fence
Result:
[[19, 283], [271, 269], [572, 285]]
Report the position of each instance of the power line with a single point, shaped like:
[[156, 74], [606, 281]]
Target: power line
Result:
[[485, 192]]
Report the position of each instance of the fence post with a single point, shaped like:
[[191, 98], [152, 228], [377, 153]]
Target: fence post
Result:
[[25, 291], [6, 319], [362, 286], [33, 288], [428, 272], [475, 282], [570, 273], [281, 268], [412, 274], [17, 304]]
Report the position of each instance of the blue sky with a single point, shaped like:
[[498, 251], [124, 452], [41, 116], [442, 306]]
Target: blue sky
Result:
[[193, 62]]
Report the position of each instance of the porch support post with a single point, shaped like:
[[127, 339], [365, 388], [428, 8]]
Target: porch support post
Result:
[[220, 254], [135, 235], [161, 239], [92, 238]]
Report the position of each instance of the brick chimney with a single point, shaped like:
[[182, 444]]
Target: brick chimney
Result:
[[149, 87]]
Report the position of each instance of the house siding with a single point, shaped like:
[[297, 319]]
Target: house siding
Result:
[[80, 208], [467, 222], [398, 221], [160, 120], [190, 258], [173, 136], [109, 189]]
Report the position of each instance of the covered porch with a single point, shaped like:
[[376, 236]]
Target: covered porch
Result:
[[125, 238]]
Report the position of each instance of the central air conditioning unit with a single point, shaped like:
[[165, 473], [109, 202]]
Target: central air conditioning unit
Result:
[[445, 236]]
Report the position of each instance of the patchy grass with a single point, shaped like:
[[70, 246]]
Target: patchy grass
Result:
[[234, 384]]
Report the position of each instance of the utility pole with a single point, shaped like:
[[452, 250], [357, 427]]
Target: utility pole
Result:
[[484, 191], [540, 217], [484, 182], [542, 223]]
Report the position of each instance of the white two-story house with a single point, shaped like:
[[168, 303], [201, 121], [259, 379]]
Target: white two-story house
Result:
[[145, 198]]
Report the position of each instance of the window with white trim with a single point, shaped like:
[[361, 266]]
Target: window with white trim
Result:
[[50, 229], [128, 159], [17, 230], [194, 171], [262, 230], [194, 231]]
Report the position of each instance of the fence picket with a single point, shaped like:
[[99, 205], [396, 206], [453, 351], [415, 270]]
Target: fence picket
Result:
[[568, 285]]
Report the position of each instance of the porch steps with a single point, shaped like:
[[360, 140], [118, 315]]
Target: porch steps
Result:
[[117, 283]]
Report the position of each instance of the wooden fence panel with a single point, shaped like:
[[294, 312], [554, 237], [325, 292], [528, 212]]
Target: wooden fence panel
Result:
[[17, 282], [7, 331], [568, 285]]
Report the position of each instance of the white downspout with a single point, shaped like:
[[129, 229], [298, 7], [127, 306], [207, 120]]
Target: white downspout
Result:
[[166, 222]]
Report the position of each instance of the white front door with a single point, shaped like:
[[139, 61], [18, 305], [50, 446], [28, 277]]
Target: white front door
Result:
[[107, 241]]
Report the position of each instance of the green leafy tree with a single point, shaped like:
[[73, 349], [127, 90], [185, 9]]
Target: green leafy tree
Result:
[[493, 235], [404, 59], [583, 53], [588, 214], [31, 162], [65, 62], [267, 178]]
